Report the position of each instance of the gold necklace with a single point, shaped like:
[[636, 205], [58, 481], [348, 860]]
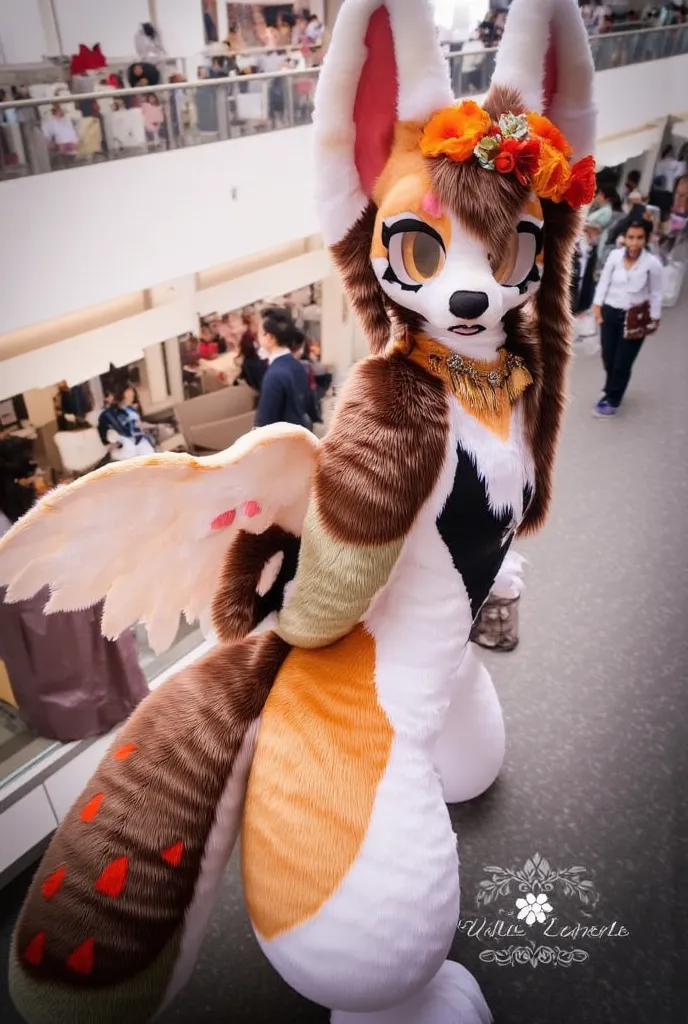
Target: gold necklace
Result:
[[482, 386]]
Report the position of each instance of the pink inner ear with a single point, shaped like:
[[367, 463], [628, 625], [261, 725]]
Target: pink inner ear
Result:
[[549, 84], [375, 107]]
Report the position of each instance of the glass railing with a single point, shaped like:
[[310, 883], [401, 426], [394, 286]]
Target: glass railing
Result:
[[41, 135], [471, 72]]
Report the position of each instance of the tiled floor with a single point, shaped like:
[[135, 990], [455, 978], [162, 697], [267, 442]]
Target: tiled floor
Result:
[[596, 776]]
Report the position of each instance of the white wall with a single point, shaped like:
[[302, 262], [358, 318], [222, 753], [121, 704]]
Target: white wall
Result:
[[630, 97], [181, 24], [177, 308], [80, 237], [83, 236], [22, 39], [112, 23]]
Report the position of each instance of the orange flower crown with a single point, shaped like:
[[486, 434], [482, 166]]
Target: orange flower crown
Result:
[[528, 146]]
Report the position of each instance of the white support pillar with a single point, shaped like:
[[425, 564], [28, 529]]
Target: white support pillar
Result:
[[40, 406], [155, 374], [222, 21], [174, 369], [51, 29], [360, 342], [336, 332], [650, 159]]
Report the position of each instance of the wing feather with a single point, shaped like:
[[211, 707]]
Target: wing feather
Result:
[[149, 536]]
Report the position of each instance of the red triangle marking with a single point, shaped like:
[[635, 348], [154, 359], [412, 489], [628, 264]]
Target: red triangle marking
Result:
[[124, 752], [53, 883], [90, 810], [81, 960], [173, 854], [33, 954], [114, 878]]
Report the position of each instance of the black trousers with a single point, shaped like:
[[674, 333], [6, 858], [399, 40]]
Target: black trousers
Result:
[[618, 354]]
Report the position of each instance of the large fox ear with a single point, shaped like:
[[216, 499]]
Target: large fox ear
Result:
[[544, 64], [545, 57], [384, 65]]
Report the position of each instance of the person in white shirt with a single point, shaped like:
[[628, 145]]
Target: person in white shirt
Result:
[[631, 277], [668, 170], [470, 65], [60, 131], [148, 43]]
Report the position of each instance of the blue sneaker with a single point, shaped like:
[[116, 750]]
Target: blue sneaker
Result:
[[604, 409]]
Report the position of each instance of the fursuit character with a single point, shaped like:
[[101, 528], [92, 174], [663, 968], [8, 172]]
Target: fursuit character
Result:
[[332, 737]]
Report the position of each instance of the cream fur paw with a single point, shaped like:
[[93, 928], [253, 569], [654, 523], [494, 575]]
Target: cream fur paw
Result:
[[452, 997]]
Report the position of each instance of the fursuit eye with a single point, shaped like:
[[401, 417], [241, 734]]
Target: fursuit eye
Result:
[[519, 262], [416, 254]]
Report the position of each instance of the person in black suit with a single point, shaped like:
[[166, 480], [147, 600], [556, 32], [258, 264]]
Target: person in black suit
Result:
[[285, 395]]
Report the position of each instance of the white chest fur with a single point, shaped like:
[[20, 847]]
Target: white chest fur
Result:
[[506, 467]]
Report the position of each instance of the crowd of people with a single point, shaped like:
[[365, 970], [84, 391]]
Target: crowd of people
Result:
[[622, 256], [472, 73], [244, 345]]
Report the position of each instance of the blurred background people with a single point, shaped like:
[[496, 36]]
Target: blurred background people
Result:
[[121, 428], [286, 395], [148, 43], [68, 681]]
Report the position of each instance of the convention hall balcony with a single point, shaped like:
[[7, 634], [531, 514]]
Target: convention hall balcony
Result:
[[172, 181]]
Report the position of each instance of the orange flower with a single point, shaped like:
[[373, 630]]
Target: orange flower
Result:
[[548, 132], [520, 156], [456, 131], [553, 174], [582, 185]]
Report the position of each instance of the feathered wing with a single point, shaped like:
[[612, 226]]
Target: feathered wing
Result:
[[151, 535]]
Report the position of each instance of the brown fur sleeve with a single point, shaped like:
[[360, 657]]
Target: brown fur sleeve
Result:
[[377, 467], [237, 606], [384, 453]]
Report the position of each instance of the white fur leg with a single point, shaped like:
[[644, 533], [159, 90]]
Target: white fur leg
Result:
[[452, 997], [469, 752]]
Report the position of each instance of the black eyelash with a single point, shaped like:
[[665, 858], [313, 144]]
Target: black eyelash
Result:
[[409, 224], [401, 227], [390, 276]]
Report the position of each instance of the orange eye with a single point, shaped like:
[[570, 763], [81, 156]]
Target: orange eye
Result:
[[422, 255], [520, 257]]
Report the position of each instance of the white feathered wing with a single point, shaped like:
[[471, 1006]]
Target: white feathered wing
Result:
[[150, 535]]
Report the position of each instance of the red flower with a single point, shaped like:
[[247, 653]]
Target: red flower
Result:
[[505, 161], [582, 186], [520, 156]]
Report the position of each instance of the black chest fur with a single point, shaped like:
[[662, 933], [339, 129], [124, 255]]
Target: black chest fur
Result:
[[477, 539]]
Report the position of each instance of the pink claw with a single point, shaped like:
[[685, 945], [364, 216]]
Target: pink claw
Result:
[[224, 520], [252, 509]]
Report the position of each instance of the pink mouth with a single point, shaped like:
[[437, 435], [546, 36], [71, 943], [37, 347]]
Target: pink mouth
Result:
[[466, 330]]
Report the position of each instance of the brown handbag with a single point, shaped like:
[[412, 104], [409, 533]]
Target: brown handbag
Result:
[[638, 322]]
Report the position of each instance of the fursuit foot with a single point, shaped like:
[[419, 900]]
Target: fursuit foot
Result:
[[452, 997]]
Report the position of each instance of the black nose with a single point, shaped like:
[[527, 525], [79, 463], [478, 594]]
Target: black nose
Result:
[[468, 305]]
